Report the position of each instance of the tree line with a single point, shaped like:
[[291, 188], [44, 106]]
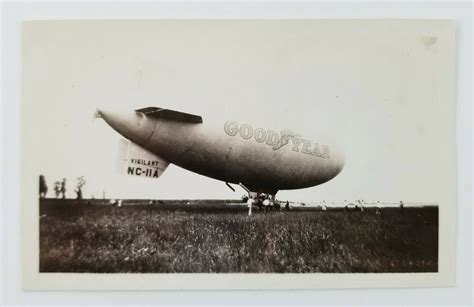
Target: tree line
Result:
[[59, 187]]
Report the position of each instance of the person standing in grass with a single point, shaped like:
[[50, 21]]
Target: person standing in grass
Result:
[[378, 210], [266, 204], [250, 204]]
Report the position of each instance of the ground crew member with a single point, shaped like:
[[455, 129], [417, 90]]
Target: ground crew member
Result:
[[250, 204], [287, 206], [266, 204], [379, 209]]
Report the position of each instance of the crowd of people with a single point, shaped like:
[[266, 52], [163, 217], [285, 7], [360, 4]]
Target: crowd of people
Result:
[[267, 203]]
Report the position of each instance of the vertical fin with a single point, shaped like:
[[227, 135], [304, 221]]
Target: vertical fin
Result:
[[135, 160]]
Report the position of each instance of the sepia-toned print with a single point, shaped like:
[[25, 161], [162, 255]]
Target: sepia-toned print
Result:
[[177, 147]]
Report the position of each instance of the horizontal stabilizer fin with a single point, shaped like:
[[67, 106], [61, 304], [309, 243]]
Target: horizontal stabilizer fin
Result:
[[135, 160], [170, 114]]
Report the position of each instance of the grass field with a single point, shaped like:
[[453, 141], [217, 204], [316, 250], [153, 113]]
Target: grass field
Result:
[[209, 236]]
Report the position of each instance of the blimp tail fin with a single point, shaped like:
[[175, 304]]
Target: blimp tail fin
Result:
[[170, 114], [135, 160]]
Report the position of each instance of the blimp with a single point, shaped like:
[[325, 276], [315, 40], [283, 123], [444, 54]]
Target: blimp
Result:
[[262, 160]]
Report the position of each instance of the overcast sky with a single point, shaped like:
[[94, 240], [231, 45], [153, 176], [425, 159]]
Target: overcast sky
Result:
[[374, 87]]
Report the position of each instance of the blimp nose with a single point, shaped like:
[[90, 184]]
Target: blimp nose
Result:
[[119, 120], [128, 123], [113, 117]]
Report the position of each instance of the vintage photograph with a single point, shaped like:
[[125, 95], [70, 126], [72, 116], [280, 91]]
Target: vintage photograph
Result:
[[239, 146]]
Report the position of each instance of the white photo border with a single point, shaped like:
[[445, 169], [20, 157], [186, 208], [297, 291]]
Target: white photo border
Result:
[[11, 178]]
